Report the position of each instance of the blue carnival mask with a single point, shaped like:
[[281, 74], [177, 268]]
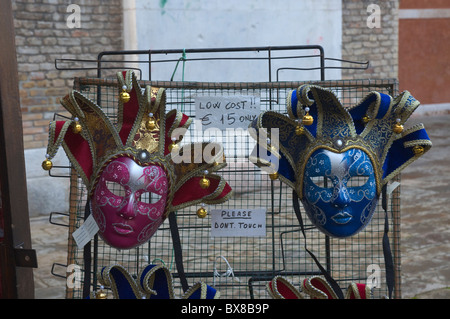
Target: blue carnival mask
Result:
[[338, 159], [339, 191]]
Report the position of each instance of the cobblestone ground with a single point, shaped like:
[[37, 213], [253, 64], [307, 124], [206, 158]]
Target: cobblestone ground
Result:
[[425, 223], [425, 239]]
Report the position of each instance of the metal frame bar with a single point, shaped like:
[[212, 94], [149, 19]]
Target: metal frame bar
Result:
[[267, 49]]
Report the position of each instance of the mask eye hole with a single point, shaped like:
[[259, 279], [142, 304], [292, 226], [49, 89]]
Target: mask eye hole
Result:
[[115, 188], [357, 181], [149, 197], [322, 181]]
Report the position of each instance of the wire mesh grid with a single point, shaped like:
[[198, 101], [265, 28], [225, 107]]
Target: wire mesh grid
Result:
[[240, 267]]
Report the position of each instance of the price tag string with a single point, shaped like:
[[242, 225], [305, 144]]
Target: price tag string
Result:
[[229, 272]]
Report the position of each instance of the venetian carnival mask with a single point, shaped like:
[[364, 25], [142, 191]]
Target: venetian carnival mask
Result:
[[121, 204], [339, 190], [336, 159], [132, 170]]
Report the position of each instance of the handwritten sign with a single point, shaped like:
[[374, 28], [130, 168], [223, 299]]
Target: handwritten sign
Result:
[[238, 222], [224, 112]]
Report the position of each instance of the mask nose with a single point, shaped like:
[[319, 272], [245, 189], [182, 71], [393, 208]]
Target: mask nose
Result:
[[342, 199], [127, 211]]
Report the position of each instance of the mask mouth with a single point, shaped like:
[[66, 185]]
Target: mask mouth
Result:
[[122, 229], [342, 218]]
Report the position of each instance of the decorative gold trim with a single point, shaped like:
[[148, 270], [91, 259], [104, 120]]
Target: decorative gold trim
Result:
[[353, 290], [317, 293], [203, 291], [53, 145], [104, 278], [149, 281], [302, 95], [274, 291]]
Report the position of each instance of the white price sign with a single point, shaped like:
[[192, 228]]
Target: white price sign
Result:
[[86, 232], [224, 112], [238, 222]]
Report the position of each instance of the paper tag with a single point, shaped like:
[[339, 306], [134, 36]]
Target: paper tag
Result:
[[86, 232], [224, 112], [238, 222]]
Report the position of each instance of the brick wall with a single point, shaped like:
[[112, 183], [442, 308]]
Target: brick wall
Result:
[[377, 45], [424, 51], [42, 35]]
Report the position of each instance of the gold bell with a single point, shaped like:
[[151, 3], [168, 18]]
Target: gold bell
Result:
[[101, 294], [151, 122], [299, 130], [307, 119], [273, 176], [366, 119], [398, 128], [173, 146], [202, 212], [204, 182], [124, 95], [47, 164], [418, 150], [76, 126]]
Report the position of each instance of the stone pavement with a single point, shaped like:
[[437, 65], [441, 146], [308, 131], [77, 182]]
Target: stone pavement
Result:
[[425, 225], [50, 243], [425, 218]]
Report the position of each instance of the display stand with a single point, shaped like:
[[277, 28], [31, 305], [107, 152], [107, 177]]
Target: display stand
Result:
[[239, 267]]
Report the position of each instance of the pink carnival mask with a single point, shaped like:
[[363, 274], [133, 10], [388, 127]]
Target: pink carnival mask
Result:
[[129, 201], [130, 164]]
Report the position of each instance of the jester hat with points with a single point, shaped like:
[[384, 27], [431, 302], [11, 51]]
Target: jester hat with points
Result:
[[124, 158]]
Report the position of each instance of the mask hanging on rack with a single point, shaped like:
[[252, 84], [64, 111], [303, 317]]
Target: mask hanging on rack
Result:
[[130, 164], [338, 159]]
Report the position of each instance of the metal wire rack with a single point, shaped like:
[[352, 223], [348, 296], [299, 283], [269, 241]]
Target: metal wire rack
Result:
[[240, 267]]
